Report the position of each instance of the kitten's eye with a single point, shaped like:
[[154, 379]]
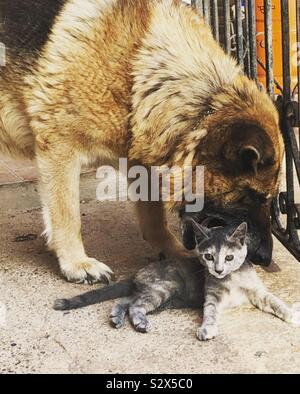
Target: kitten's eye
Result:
[[209, 257], [229, 257]]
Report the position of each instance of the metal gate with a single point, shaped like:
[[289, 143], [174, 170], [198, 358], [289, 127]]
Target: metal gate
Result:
[[234, 25]]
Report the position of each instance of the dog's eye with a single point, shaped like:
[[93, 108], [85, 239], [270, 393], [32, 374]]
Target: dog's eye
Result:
[[230, 257], [209, 257]]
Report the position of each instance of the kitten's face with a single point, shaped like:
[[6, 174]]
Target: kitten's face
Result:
[[221, 250]]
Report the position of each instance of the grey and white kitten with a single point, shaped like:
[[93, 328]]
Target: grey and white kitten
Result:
[[231, 280], [219, 278]]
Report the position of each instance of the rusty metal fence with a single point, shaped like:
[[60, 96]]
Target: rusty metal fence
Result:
[[234, 25]]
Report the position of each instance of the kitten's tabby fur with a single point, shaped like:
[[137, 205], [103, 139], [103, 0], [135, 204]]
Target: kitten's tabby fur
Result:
[[229, 280]]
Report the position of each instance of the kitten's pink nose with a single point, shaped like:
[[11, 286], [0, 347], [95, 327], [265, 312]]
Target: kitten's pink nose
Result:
[[219, 271]]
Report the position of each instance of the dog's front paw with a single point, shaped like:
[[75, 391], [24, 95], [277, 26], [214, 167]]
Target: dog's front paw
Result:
[[207, 333], [88, 271]]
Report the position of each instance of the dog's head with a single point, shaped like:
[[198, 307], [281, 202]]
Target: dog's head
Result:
[[246, 170], [242, 153], [242, 150]]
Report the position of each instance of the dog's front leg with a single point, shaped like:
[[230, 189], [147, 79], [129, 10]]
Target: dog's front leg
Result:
[[59, 182], [155, 229]]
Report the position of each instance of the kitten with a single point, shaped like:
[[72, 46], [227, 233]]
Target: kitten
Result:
[[220, 277], [230, 278]]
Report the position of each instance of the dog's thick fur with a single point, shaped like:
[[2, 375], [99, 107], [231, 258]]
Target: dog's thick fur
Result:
[[130, 78]]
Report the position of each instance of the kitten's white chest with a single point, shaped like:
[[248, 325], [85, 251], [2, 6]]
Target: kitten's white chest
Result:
[[239, 281], [235, 298]]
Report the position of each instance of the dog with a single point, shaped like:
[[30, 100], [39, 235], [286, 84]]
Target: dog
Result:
[[95, 80]]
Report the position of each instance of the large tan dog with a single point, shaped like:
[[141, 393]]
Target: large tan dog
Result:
[[90, 80]]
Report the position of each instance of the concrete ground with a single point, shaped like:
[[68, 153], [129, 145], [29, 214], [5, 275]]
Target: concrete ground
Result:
[[36, 339]]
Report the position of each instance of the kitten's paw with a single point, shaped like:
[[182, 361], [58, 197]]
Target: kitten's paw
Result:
[[117, 321], [118, 314], [141, 323], [207, 333], [89, 271], [143, 326]]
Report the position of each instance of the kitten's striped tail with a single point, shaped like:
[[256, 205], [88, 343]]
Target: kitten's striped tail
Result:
[[110, 292]]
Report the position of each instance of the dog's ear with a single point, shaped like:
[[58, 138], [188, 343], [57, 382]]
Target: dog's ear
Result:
[[250, 158], [248, 149], [263, 254]]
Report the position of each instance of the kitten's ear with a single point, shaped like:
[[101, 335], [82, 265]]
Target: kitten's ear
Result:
[[240, 233], [199, 229]]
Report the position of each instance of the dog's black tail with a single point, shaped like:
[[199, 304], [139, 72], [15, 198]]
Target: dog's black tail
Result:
[[110, 292]]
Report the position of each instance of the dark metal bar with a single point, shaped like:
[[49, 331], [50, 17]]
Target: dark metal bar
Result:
[[276, 83], [227, 33], [286, 98], [252, 39], [269, 46], [247, 39], [285, 23], [215, 19], [294, 150], [206, 11], [286, 205], [239, 31], [298, 58], [288, 234]]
